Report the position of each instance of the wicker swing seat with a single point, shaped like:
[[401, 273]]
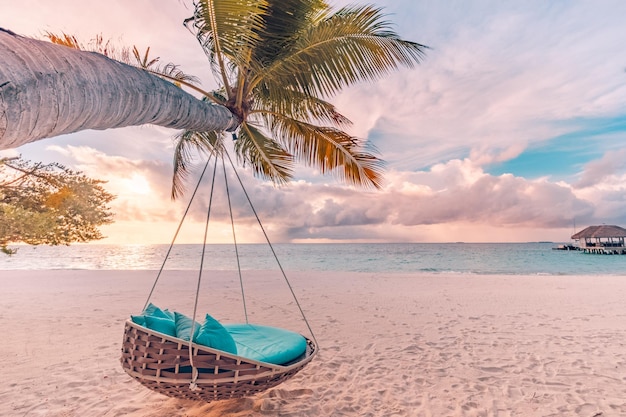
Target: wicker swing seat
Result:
[[161, 363], [174, 367]]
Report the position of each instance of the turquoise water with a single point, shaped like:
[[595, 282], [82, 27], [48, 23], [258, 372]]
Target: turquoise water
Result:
[[461, 258]]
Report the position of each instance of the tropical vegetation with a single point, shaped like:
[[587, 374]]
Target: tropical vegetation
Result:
[[49, 204], [277, 63]]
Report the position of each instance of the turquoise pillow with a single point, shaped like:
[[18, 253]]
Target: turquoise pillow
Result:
[[140, 320], [152, 310], [161, 325], [183, 326], [214, 335]]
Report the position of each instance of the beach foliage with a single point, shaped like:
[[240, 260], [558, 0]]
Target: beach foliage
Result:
[[276, 64], [49, 204]]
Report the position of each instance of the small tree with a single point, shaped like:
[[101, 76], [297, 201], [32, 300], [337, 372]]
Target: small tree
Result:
[[49, 204]]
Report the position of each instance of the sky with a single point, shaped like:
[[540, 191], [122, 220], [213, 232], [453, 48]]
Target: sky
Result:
[[512, 129]]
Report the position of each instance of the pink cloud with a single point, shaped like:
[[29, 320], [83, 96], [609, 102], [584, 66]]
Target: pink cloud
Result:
[[612, 163]]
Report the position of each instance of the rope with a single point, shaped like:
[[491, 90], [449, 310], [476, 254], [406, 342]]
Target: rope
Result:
[[194, 375], [232, 224], [180, 224], [293, 294]]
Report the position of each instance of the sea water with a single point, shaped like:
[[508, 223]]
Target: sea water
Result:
[[460, 258]]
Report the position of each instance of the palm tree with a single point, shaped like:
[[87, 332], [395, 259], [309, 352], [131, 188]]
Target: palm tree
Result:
[[277, 62], [48, 90]]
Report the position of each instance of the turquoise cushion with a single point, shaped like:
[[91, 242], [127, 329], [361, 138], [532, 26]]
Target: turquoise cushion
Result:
[[152, 310], [267, 344], [140, 320], [161, 325], [183, 326], [214, 335]]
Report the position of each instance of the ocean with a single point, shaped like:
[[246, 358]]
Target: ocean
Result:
[[458, 258]]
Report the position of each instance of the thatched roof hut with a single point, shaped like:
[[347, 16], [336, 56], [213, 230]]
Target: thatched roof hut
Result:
[[602, 239], [600, 232]]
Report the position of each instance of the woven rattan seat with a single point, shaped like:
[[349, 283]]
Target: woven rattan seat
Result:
[[161, 363]]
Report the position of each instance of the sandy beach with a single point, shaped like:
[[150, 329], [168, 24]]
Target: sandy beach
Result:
[[391, 344]]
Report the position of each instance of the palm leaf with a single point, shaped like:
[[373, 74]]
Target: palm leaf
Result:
[[97, 44], [186, 143], [145, 61], [267, 157], [283, 23], [174, 74], [64, 39], [329, 149], [272, 98], [352, 45], [170, 71], [228, 30]]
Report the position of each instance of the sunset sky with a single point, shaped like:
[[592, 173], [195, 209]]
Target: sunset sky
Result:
[[513, 129]]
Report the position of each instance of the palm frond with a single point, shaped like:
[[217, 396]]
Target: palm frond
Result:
[[355, 44], [98, 44], [227, 30], [186, 143], [144, 61], [169, 71], [174, 74], [64, 39], [267, 157], [283, 23], [329, 150], [273, 98]]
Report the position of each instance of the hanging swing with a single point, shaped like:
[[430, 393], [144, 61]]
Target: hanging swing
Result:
[[159, 352]]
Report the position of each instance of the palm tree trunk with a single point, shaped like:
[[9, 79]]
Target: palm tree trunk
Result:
[[48, 90]]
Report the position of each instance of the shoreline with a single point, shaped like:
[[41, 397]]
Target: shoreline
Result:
[[391, 344], [290, 272]]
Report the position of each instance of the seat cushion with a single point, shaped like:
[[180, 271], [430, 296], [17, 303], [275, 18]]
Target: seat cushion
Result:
[[267, 344]]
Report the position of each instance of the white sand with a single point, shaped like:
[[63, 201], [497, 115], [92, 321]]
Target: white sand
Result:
[[392, 345]]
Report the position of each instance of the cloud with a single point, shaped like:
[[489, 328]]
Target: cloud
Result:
[[500, 79], [460, 191], [141, 186], [454, 195], [612, 163], [496, 81], [449, 193]]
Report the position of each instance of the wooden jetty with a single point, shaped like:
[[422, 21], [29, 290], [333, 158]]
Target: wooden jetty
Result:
[[605, 240], [566, 247]]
